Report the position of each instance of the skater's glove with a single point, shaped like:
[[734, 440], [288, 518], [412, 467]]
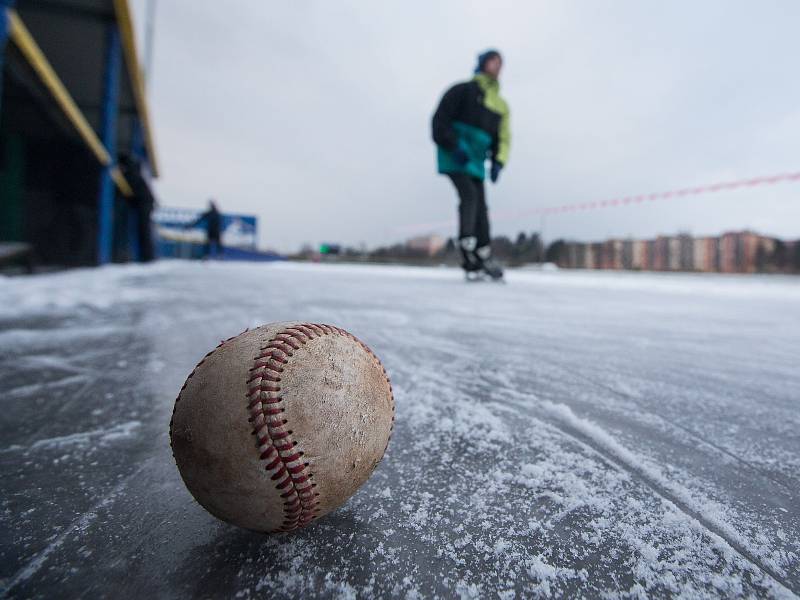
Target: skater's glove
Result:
[[460, 156], [495, 172]]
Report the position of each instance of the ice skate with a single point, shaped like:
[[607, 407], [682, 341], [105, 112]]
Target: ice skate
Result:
[[488, 266], [492, 270], [474, 276]]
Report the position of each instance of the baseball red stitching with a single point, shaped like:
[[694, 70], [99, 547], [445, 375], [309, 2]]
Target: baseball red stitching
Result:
[[300, 504], [274, 439]]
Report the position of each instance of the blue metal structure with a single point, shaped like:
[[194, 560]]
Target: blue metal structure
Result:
[[74, 109], [181, 236], [4, 6], [4, 22], [105, 200], [139, 152], [138, 148]]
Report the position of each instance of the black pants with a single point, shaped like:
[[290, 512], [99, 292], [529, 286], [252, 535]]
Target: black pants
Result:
[[473, 216], [216, 245]]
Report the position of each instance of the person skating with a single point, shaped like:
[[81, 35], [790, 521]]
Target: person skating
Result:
[[471, 125]]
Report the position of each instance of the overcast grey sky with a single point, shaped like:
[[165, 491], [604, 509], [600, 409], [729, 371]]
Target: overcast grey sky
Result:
[[315, 116]]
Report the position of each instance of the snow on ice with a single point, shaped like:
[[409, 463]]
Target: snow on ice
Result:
[[578, 434]]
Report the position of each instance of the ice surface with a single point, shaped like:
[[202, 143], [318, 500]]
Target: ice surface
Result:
[[581, 434]]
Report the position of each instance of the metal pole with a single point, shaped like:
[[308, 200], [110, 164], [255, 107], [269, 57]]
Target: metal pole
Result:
[[105, 201]]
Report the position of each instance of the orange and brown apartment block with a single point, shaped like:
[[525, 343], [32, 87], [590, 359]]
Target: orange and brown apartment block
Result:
[[732, 252]]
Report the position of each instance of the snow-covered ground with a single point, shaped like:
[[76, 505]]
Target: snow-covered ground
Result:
[[574, 434]]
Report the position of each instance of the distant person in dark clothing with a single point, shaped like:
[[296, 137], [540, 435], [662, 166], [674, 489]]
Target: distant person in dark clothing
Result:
[[471, 126], [213, 224]]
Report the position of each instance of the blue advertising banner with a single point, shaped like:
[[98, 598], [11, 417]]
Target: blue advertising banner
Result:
[[177, 226]]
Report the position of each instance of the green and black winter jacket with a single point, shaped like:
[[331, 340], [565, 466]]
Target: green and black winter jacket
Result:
[[472, 116]]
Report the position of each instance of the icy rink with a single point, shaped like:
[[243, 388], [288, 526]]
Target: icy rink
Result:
[[578, 434]]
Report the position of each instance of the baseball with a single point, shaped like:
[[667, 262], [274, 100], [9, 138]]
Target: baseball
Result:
[[281, 424]]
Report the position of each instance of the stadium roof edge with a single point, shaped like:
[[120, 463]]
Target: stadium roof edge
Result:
[[125, 23], [36, 57], [27, 45]]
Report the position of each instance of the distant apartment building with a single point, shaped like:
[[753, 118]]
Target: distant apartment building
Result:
[[749, 250], [585, 257], [588, 257], [737, 252], [729, 253], [732, 252], [685, 252], [597, 251], [638, 255], [429, 244], [649, 254], [704, 254], [659, 260], [627, 254], [674, 254], [614, 254], [767, 248], [576, 255]]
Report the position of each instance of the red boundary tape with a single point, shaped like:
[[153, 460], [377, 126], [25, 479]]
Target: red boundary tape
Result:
[[627, 200]]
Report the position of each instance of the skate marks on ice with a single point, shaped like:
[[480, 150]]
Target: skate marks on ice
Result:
[[789, 484], [481, 381], [768, 542], [75, 416], [82, 439], [491, 486], [78, 528], [758, 503], [641, 406], [588, 515], [702, 511]]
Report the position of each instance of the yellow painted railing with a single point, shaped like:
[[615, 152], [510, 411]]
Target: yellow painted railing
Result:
[[23, 39], [125, 21]]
